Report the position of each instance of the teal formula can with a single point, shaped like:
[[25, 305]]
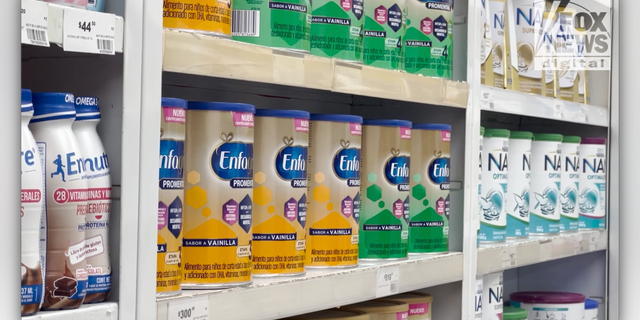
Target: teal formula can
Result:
[[493, 202], [592, 194], [569, 182], [546, 161], [336, 29], [519, 179], [384, 29]]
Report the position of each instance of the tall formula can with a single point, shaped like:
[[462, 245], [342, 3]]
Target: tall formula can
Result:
[[334, 190], [170, 197], [206, 16], [478, 298], [592, 195], [384, 214], [497, 17], [493, 201], [66, 203], [282, 24], [336, 29], [479, 182], [31, 213], [568, 81], [384, 30], [218, 195], [569, 182], [546, 162], [486, 57], [429, 37], [280, 192], [429, 173], [519, 184], [96, 166], [492, 292]]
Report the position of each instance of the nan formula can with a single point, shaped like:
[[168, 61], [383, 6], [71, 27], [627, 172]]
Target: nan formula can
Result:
[[569, 182], [419, 304], [493, 201], [203, 16], [66, 203], [429, 38], [280, 192], [218, 195], [486, 56], [492, 290], [384, 30], [479, 182], [478, 298], [550, 305], [336, 29], [592, 195], [546, 162], [382, 309], [384, 214], [333, 215], [171, 196], [429, 202], [519, 183], [497, 19]]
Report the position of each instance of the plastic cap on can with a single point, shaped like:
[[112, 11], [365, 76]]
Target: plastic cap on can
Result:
[[547, 297], [87, 108], [521, 135], [513, 313], [221, 106], [387, 123], [432, 126], [591, 304], [25, 101], [547, 137], [496, 133], [282, 113], [174, 102], [336, 118], [53, 106], [571, 139], [594, 141]]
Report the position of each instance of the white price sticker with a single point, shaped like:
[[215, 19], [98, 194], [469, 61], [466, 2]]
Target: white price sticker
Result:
[[189, 309], [88, 31], [388, 281], [509, 257], [486, 99], [34, 23]]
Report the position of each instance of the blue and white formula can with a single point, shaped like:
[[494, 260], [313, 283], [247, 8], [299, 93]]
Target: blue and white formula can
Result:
[[519, 184], [478, 299], [493, 202], [570, 177], [480, 182], [492, 291], [544, 207], [592, 195]]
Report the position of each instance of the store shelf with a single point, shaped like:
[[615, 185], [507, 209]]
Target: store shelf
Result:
[[192, 53], [100, 311], [318, 289], [507, 101], [534, 250]]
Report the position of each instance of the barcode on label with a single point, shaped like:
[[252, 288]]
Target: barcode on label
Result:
[[105, 45], [394, 287], [37, 36], [245, 23]]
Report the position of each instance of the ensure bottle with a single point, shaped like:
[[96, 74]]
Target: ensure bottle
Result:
[[96, 166], [66, 188], [31, 212]]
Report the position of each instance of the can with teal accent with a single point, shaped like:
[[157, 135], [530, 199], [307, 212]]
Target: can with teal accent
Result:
[[384, 29], [592, 195], [336, 29], [544, 207], [493, 201], [519, 184], [480, 182], [569, 183]]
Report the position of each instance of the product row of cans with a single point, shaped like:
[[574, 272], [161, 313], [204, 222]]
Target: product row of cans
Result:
[[246, 192], [93, 5], [536, 47], [540, 184], [66, 201], [410, 35]]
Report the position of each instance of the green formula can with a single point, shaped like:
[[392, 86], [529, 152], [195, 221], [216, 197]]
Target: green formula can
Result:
[[384, 28], [282, 24], [336, 29], [384, 207], [429, 173], [429, 38]]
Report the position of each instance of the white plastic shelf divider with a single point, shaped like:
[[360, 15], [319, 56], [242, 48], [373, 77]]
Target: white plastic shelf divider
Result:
[[275, 298], [98, 311], [519, 253], [198, 54], [513, 102]]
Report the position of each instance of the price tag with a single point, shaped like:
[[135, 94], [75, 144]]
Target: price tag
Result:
[[509, 257], [196, 308], [34, 23], [88, 31], [593, 241], [388, 281], [486, 99]]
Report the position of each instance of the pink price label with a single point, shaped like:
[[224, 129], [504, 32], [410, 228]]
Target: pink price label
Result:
[[356, 129], [302, 125], [405, 133], [242, 119], [446, 136], [418, 309], [404, 315], [175, 115]]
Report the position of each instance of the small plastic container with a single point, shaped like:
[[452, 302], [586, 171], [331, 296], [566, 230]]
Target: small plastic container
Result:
[[513, 313], [591, 309]]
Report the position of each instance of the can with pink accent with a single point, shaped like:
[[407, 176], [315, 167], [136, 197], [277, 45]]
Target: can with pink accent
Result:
[[550, 305], [419, 304], [72, 3], [382, 309]]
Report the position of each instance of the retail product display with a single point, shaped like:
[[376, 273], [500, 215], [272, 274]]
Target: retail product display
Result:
[[208, 16], [384, 30], [429, 181], [550, 305], [492, 300], [336, 29], [478, 298], [569, 183], [592, 193], [334, 190], [519, 184], [493, 215], [496, 9], [513, 313], [218, 166], [382, 309], [590, 309], [333, 314], [419, 304], [546, 162]]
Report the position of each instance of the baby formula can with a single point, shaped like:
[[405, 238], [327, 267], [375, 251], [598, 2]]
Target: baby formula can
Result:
[[96, 166], [206, 16], [66, 203], [419, 304], [569, 181], [72, 3], [280, 192], [480, 182], [382, 309], [429, 204], [546, 160], [513, 313], [171, 197], [218, 195], [590, 309], [384, 219], [592, 194], [493, 213], [336, 29], [478, 298], [550, 305], [334, 188], [492, 291], [32, 188], [568, 81], [333, 314], [527, 28], [384, 29], [519, 184], [486, 57], [96, 5], [497, 21]]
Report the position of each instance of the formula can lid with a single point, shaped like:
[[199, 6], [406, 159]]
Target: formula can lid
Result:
[[25, 101], [53, 106], [481, 131], [412, 297], [591, 304], [521, 135], [336, 118], [431, 126], [496, 133], [333, 314], [547, 137], [378, 306], [387, 123], [87, 108], [283, 113], [594, 141], [221, 106], [513, 313], [174, 102], [571, 139], [547, 297]]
